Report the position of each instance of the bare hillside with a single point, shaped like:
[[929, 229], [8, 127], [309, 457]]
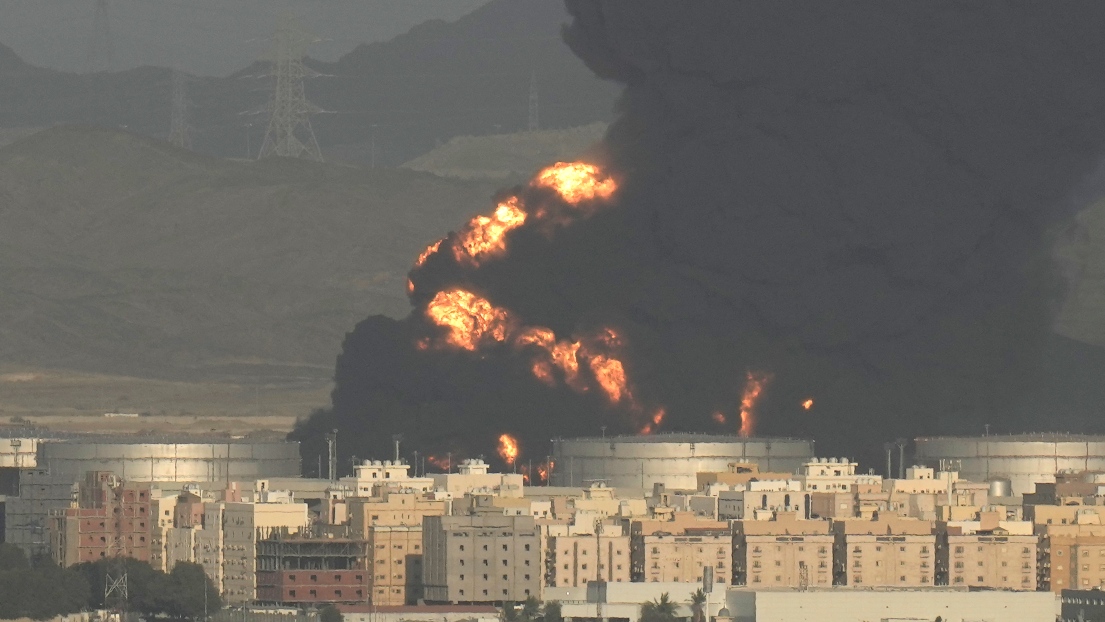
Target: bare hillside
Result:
[[121, 254]]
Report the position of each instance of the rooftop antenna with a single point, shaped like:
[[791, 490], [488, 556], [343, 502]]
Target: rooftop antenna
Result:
[[290, 134], [397, 438], [332, 449], [178, 126], [534, 110], [101, 48]]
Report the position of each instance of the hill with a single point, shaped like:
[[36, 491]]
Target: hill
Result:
[[123, 255], [398, 98]]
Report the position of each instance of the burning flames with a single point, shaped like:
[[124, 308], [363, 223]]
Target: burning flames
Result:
[[753, 387], [577, 184], [808, 404], [508, 448], [655, 421], [536, 473], [486, 235], [445, 464], [470, 320]]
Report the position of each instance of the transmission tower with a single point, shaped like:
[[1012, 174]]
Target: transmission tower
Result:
[[534, 119], [290, 134], [101, 49], [178, 126]]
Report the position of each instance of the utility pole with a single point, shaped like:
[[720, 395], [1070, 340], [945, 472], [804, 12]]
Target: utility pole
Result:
[[332, 455], [396, 438], [101, 48], [178, 126], [290, 134], [534, 110]]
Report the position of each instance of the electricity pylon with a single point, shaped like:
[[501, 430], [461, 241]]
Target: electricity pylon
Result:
[[290, 134], [178, 126], [534, 119], [101, 48]]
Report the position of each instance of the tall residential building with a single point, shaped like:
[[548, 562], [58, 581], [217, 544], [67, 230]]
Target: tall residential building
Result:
[[1000, 556], [303, 570], [578, 558], [783, 552], [482, 558], [677, 550], [1072, 556], [242, 525], [394, 563], [888, 552], [111, 518]]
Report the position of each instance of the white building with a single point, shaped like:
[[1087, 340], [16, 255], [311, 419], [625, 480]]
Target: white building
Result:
[[834, 475]]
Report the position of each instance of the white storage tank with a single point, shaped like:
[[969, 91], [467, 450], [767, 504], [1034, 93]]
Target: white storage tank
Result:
[[669, 459]]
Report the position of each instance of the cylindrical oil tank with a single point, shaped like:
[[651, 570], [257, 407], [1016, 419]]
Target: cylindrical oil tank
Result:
[[1022, 459], [1000, 487], [669, 459], [170, 460]]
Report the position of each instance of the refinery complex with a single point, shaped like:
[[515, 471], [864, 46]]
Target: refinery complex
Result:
[[969, 524]]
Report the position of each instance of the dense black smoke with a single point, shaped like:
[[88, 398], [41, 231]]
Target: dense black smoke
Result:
[[852, 196]]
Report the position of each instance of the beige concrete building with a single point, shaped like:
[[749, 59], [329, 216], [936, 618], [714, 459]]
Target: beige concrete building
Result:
[[392, 509], [371, 476], [834, 475], [761, 499], [889, 552], [784, 552], [1072, 556], [1002, 557], [395, 564], [240, 525], [482, 558], [473, 476], [677, 550], [577, 559]]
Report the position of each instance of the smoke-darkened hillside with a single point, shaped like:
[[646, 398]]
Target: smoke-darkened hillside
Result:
[[845, 203]]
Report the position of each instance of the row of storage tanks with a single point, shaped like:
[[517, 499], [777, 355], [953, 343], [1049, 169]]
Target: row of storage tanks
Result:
[[623, 461], [1012, 463]]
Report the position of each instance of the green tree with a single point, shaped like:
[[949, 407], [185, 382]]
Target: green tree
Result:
[[658, 610], [330, 613], [551, 612], [698, 599], [12, 558], [41, 590]]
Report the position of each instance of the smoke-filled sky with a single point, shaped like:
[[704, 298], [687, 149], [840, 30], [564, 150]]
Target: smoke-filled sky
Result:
[[204, 37], [850, 202]]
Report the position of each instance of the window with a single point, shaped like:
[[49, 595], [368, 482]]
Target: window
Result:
[[291, 592], [527, 547], [504, 547]]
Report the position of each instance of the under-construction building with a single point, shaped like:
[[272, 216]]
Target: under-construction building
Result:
[[296, 569], [110, 519]]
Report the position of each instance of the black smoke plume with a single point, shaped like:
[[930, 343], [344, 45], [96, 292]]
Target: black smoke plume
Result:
[[852, 196]]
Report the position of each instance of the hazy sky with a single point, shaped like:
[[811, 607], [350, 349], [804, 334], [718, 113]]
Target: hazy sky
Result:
[[206, 37]]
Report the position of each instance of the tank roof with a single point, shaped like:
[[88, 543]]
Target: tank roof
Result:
[[1033, 437], [681, 437]]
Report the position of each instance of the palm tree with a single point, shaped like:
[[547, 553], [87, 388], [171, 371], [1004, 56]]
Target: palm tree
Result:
[[698, 598], [658, 610]]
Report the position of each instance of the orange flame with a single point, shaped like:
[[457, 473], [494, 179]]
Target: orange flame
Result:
[[719, 417], [471, 320], [654, 423], [808, 404], [576, 182], [430, 250], [752, 390], [610, 374], [537, 473], [485, 235], [508, 448], [445, 464]]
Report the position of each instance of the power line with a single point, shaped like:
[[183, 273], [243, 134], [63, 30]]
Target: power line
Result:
[[290, 133]]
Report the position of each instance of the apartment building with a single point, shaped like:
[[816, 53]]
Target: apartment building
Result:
[[833, 475], [372, 476], [785, 552], [761, 499], [472, 476], [484, 558], [1072, 556], [394, 563], [110, 518], [678, 549], [242, 525], [890, 552], [390, 508], [303, 570], [1001, 555], [578, 558]]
